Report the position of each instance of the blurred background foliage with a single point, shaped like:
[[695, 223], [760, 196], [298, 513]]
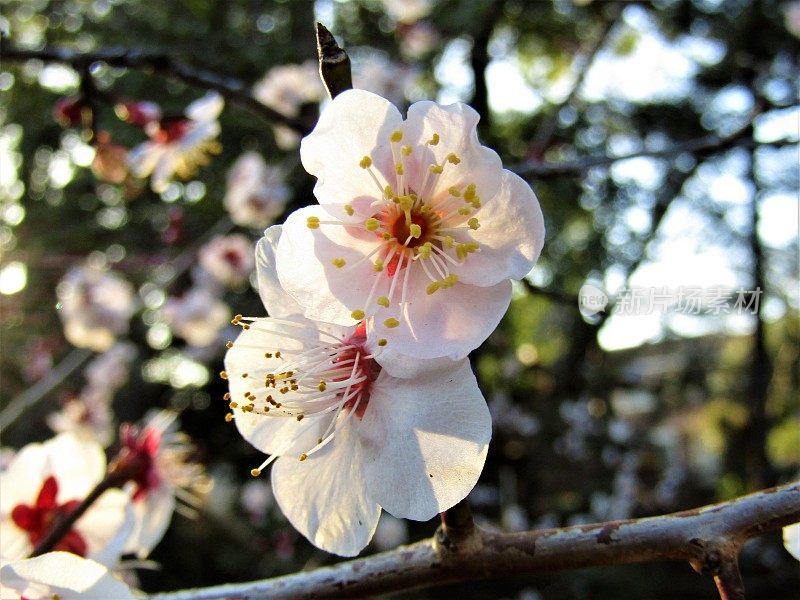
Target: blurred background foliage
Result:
[[596, 417]]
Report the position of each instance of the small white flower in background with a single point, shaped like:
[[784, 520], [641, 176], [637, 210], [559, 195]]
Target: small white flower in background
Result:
[[61, 576], [286, 88], [377, 74], [420, 229], [178, 146], [349, 434], [256, 499], [161, 456], [257, 193], [791, 19], [228, 259], [198, 316], [408, 11], [95, 306], [44, 482], [418, 39], [89, 415], [791, 539]]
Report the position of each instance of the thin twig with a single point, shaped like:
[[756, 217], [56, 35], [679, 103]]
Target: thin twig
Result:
[[700, 536], [234, 90], [334, 63]]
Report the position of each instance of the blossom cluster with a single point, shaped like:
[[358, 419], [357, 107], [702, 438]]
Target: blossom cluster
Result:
[[357, 384]]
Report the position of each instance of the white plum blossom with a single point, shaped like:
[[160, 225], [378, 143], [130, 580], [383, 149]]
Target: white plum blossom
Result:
[[420, 229], [791, 539], [377, 74], [418, 39], [96, 305], [178, 146], [89, 415], [257, 193], [198, 316], [408, 11], [346, 433], [228, 259], [286, 88], [44, 482], [161, 455], [61, 576]]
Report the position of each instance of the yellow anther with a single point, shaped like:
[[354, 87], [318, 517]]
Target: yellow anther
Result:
[[388, 191], [397, 135], [406, 150], [338, 262], [453, 158], [476, 204], [233, 404], [300, 417], [229, 344], [391, 322], [436, 169], [312, 222], [226, 396], [357, 314], [454, 191], [461, 251], [384, 301], [414, 230], [425, 250], [386, 236], [372, 224], [450, 280], [406, 203], [472, 246], [223, 374], [235, 320], [322, 386], [255, 472], [434, 140], [432, 287], [398, 168], [448, 241], [349, 209], [473, 223], [278, 354], [229, 417], [469, 192], [267, 354], [303, 456], [378, 266], [382, 342], [365, 162], [465, 210]]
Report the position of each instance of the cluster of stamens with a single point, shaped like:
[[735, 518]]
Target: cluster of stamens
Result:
[[328, 378], [421, 225]]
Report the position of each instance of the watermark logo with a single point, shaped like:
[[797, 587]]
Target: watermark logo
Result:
[[685, 300]]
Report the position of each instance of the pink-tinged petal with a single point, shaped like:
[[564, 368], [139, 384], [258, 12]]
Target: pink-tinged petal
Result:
[[143, 158], [424, 441], [456, 125], [62, 575], [163, 171], [152, 517], [206, 108], [307, 273], [277, 302], [349, 128], [448, 323], [325, 496], [404, 366], [511, 235]]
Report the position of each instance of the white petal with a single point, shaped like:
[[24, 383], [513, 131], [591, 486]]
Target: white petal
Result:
[[425, 441], [325, 498], [152, 516], [64, 575], [163, 171], [206, 108], [106, 526], [350, 127], [449, 323], [456, 125], [143, 158], [791, 539], [511, 235], [277, 302], [304, 257]]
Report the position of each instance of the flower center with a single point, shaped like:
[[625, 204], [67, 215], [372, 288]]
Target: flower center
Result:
[[401, 229], [38, 520], [323, 381]]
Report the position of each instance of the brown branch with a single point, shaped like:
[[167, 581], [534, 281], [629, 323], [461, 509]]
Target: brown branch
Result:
[[707, 537], [234, 90], [334, 63]]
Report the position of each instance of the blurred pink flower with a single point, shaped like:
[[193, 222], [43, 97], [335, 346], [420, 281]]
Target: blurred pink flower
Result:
[[228, 259], [257, 193], [198, 316]]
